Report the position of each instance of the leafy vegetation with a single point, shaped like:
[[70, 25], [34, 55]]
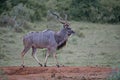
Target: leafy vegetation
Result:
[[114, 76], [102, 11]]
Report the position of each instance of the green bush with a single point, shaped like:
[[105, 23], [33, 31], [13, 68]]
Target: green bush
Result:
[[102, 11]]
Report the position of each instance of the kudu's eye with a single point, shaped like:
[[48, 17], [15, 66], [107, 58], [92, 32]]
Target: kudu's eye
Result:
[[68, 28]]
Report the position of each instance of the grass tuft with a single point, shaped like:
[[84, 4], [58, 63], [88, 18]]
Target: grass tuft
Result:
[[80, 35], [2, 75], [114, 76]]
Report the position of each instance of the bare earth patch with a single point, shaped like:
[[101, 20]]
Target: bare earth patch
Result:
[[54, 73]]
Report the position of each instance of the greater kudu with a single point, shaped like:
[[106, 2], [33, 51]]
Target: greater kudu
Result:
[[48, 39]]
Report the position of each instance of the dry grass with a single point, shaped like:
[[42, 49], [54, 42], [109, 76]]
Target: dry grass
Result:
[[93, 44]]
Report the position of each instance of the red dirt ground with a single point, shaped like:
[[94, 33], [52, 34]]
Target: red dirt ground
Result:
[[54, 73]]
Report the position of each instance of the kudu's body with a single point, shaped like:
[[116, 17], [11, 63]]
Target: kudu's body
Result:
[[46, 39]]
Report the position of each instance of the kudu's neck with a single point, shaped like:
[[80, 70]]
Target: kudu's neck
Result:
[[59, 37], [62, 33]]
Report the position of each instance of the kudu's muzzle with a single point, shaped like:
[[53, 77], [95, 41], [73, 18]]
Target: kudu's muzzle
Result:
[[71, 32]]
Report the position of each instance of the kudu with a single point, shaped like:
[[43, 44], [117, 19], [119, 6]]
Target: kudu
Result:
[[48, 39]]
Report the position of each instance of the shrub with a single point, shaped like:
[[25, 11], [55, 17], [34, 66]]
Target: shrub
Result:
[[114, 76], [2, 75]]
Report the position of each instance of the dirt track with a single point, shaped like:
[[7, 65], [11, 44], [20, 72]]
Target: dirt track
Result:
[[54, 73]]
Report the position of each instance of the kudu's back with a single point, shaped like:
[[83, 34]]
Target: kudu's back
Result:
[[42, 39]]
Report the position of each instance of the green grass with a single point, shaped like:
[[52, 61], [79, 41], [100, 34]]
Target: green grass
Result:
[[115, 75], [3, 76], [93, 44]]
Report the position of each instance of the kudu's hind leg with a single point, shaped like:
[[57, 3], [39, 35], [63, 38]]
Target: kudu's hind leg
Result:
[[23, 53], [34, 56], [53, 50]]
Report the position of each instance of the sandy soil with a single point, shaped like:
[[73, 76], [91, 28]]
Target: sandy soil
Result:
[[54, 73]]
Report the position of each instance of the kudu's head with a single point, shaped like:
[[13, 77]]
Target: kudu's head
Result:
[[66, 25], [68, 30], [65, 32]]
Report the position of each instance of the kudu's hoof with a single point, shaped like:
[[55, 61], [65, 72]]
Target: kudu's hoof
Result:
[[40, 64], [45, 65], [58, 65], [23, 66]]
